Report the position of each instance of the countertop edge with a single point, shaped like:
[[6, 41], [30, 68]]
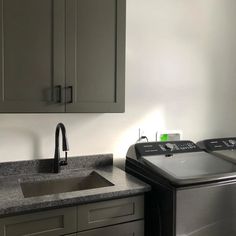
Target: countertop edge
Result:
[[12, 211]]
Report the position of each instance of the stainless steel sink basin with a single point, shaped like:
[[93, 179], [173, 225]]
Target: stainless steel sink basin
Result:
[[48, 187]]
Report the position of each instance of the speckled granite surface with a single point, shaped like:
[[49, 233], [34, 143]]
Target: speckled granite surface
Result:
[[12, 174]]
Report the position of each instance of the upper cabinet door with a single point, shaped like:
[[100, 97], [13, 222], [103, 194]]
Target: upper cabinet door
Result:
[[95, 55], [32, 55]]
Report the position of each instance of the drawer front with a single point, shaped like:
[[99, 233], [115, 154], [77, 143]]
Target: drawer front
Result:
[[46, 223], [110, 212], [129, 229]]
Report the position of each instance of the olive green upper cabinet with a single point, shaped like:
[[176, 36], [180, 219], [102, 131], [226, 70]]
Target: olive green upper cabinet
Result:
[[62, 55], [95, 55], [32, 62]]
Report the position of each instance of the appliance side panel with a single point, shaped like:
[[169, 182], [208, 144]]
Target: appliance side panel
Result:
[[159, 202]]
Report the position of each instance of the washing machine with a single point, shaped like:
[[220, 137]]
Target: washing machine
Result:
[[221, 147], [193, 192]]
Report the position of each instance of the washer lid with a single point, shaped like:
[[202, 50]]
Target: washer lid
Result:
[[188, 168], [228, 155]]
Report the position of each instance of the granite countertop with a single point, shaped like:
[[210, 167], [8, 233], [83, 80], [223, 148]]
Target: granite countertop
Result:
[[13, 174]]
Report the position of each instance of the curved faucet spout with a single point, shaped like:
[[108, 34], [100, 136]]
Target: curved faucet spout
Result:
[[65, 147]]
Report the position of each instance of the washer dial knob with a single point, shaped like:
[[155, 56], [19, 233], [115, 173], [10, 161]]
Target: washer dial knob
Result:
[[169, 146]]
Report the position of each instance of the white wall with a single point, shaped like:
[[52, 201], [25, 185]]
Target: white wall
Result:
[[181, 69]]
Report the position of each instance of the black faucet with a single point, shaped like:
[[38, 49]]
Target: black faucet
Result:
[[65, 148]]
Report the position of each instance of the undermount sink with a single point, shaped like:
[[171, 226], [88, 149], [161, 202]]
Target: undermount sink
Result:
[[48, 187]]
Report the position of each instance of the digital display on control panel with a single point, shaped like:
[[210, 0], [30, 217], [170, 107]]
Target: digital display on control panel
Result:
[[165, 148]]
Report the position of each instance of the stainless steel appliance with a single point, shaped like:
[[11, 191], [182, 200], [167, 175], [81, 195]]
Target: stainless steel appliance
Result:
[[221, 147], [193, 192]]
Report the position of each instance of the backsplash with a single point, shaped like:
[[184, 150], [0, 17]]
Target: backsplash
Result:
[[46, 165]]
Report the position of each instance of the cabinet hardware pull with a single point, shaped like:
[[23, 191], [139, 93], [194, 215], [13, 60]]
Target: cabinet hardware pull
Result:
[[71, 94], [58, 94]]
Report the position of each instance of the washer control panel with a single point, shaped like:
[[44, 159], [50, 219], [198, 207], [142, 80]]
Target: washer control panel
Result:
[[165, 148], [218, 144]]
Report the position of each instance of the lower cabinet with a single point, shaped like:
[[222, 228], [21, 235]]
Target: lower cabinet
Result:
[[120, 217]]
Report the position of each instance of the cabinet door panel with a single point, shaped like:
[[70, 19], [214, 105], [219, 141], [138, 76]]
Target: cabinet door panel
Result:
[[45, 223], [95, 55], [32, 55], [129, 229], [111, 212]]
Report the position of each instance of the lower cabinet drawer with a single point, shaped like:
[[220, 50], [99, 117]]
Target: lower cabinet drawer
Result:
[[110, 212], [128, 229], [47, 223]]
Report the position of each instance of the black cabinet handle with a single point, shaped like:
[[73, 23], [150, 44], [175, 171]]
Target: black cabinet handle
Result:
[[70, 88], [58, 94]]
